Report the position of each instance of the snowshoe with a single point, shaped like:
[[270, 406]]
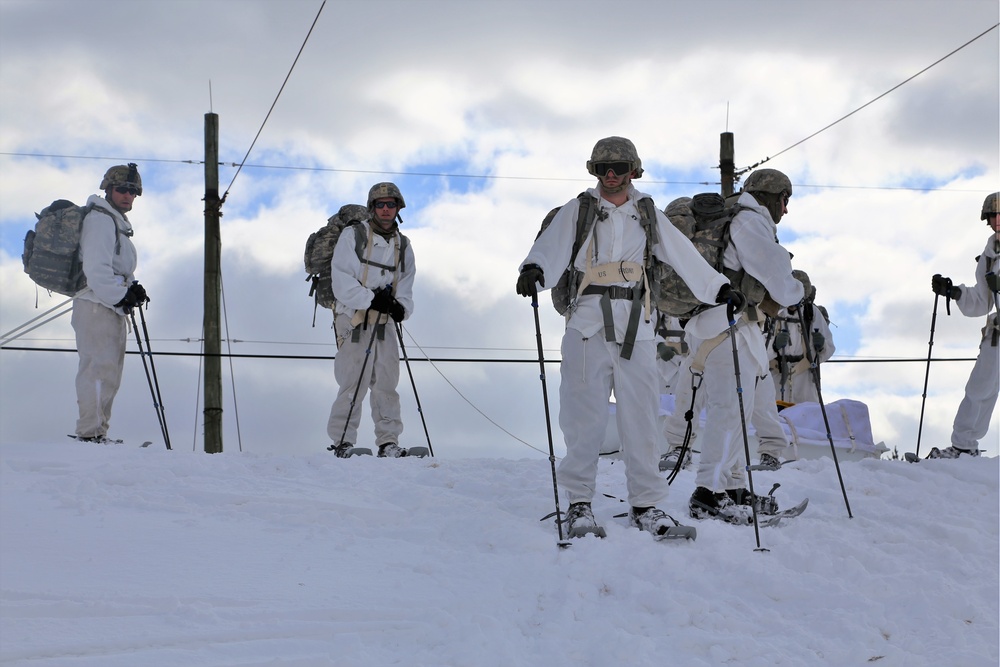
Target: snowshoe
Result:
[[767, 462], [707, 505], [767, 505], [391, 450], [951, 452], [660, 524], [670, 460], [99, 439], [419, 452], [777, 517], [346, 450], [580, 521]]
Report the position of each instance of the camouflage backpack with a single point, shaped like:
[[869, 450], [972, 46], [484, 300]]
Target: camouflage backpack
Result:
[[319, 252], [705, 219], [51, 254], [570, 278]]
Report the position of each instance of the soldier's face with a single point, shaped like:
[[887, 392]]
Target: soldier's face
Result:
[[993, 220], [385, 212], [122, 198]]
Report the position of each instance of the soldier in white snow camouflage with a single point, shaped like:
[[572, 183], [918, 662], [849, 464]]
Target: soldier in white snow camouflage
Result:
[[607, 342], [109, 260], [972, 420]]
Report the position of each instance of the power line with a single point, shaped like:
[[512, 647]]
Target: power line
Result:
[[485, 177], [460, 360], [276, 97], [936, 62]]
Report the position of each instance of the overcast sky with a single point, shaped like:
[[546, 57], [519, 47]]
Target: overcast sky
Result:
[[484, 114]]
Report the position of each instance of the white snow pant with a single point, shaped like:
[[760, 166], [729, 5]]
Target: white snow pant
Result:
[[722, 447], [771, 438], [100, 341], [974, 412], [590, 369], [380, 373], [803, 388]]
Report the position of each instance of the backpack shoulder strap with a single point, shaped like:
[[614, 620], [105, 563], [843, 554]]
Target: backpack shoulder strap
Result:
[[361, 247], [91, 207], [647, 218], [584, 222], [404, 243], [360, 240]]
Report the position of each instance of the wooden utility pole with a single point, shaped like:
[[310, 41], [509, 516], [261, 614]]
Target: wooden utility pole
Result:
[[727, 163], [213, 252]]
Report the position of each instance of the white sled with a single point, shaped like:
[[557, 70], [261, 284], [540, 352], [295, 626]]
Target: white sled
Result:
[[850, 427]]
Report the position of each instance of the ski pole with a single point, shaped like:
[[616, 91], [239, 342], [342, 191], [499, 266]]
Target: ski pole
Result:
[[156, 381], [154, 384], [402, 347], [548, 421], [927, 373], [357, 387], [805, 322], [731, 314], [12, 336]]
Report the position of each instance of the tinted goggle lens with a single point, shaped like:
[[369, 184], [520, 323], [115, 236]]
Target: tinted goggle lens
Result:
[[619, 168], [126, 191], [385, 204]]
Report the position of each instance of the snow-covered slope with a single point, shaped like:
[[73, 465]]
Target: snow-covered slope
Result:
[[121, 556]]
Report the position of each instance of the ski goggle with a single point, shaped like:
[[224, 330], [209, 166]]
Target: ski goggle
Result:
[[126, 191], [385, 204], [619, 168]]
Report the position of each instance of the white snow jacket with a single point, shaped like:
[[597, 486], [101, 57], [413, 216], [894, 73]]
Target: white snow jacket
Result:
[[980, 299], [795, 347], [347, 271], [109, 259], [619, 237], [754, 247]]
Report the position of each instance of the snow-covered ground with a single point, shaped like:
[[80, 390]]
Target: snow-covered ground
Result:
[[124, 557]]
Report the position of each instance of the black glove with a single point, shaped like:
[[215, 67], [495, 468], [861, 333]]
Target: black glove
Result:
[[139, 291], [943, 286], [134, 296], [382, 301], [530, 274], [819, 341], [396, 312], [781, 339], [731, 296], [665, 352], [128, 302]]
